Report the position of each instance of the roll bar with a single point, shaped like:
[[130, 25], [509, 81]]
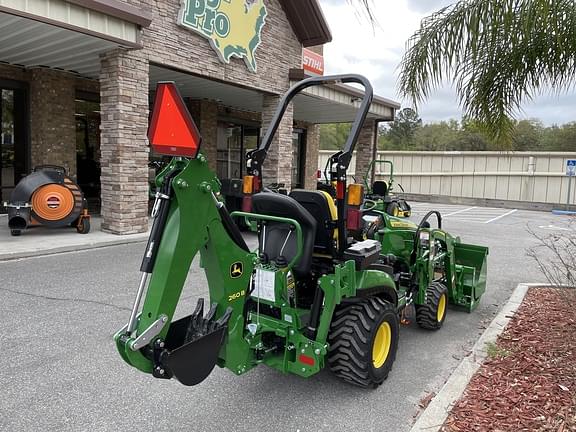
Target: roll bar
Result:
[[256, 157]]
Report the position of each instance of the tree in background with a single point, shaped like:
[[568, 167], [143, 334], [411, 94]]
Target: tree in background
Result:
[[404, 127], [499, 53], [333, 136]]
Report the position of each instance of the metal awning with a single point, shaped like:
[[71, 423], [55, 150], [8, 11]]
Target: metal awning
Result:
[[325, 104], [63, 35]]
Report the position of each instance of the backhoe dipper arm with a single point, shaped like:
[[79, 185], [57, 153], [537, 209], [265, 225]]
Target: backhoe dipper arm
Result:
[[256, 158]]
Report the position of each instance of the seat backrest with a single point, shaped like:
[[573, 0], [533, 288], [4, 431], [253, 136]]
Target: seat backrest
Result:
[[321, 206], [321, 186], [279, 239], [379, 188]]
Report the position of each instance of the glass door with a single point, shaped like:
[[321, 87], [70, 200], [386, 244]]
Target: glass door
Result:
[[13, 136]]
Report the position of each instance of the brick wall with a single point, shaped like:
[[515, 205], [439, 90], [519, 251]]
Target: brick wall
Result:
[[124, 149], [52, 122]]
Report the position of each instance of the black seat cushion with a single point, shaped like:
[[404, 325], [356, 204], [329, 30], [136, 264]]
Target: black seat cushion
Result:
[[379, 188], [277, 237], [315, 202]]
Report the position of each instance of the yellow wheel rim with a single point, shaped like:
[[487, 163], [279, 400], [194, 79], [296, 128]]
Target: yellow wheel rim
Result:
[[382, 343], [441, 308], [395, 211]]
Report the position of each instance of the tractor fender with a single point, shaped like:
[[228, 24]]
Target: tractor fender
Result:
[[376, 283]]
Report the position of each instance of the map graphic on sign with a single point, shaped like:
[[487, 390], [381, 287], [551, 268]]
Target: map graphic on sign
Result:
[[233, 27]]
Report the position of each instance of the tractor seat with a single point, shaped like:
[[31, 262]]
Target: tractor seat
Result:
[[379, 188], [278, 239], [320, 205]]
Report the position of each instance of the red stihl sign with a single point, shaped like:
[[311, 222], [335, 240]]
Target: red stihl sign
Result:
[[312, 63], [172, 130]]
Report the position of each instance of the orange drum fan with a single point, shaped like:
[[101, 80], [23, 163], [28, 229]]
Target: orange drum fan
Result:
[[47, 197]]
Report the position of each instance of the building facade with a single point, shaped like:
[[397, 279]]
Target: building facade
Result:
[[77, 78]]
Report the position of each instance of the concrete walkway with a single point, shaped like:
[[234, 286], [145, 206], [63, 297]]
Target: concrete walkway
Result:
[[41, 241]]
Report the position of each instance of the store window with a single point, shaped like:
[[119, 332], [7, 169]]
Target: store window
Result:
[[88, 144], [14, 147], [233, 142]]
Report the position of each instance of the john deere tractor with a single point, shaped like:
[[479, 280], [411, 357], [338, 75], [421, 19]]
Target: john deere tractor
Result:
[[382, 191], [307, 298]]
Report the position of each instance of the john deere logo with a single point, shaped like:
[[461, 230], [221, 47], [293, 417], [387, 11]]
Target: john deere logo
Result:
[[233, 27], [236, 270]]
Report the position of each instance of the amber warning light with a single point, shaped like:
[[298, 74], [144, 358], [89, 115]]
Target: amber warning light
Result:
[[172, 130]]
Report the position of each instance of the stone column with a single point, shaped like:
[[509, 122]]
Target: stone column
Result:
[[205, 115], [365, 149], [52, 121], [312, 155], [278, 163], [124, 148]]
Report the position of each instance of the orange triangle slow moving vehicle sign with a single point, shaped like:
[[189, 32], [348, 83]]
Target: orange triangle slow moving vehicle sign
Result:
[[172, 130]]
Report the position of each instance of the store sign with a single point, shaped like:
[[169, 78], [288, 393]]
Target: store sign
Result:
[[233, 27], [312, 62]]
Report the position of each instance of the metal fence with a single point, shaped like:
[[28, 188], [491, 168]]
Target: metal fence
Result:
[[531, 177]]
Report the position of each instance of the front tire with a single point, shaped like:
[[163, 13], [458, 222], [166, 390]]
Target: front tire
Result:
[[363, 341], [431, 315], [393, 209]]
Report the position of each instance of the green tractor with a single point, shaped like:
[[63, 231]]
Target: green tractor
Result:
[[307, 298], [382, 192]]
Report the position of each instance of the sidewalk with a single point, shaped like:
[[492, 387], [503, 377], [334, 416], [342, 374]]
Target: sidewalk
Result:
[[41, 241]]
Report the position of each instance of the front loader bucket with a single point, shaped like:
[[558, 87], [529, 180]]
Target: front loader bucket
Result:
[[471, 268], [193, 344]]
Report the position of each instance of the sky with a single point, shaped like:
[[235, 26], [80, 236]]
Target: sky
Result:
[[376, 53]]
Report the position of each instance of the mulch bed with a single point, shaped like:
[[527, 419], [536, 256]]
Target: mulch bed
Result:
[[528, 381]]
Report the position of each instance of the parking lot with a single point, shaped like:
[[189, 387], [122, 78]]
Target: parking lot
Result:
[[61, 371]]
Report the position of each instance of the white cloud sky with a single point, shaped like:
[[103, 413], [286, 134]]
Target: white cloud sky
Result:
[[357, 48]]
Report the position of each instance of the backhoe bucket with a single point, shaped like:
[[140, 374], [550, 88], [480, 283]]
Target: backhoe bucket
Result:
[[470, 263], [193, 344]]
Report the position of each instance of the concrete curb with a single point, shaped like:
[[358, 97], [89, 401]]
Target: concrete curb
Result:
[[434, 416], [120, 240]]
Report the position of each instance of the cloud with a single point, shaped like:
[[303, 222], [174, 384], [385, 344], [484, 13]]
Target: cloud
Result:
[[427, 6], [376, 53]]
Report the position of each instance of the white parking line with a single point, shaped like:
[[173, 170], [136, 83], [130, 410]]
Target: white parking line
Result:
[[459, 211], [501, 216]]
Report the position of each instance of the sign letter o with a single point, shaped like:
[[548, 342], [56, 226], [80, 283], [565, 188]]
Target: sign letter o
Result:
[[221, 25]]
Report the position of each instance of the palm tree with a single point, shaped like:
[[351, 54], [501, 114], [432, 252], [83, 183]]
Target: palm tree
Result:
[[498, 53]]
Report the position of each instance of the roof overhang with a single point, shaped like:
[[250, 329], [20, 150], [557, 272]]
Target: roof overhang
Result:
[[320, 104], [307, 21], [66, 35]]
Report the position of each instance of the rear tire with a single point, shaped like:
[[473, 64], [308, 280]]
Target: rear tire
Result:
[[431, 316], [363, 341]]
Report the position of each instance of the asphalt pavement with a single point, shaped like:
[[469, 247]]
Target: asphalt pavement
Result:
[[61, 371]]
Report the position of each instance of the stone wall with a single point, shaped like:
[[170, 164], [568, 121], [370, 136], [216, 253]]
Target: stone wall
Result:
[[312, 149], [278, 164], [124, 149]]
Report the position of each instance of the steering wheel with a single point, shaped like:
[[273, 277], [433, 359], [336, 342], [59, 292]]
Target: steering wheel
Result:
[[424, 224], [370, 202]]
